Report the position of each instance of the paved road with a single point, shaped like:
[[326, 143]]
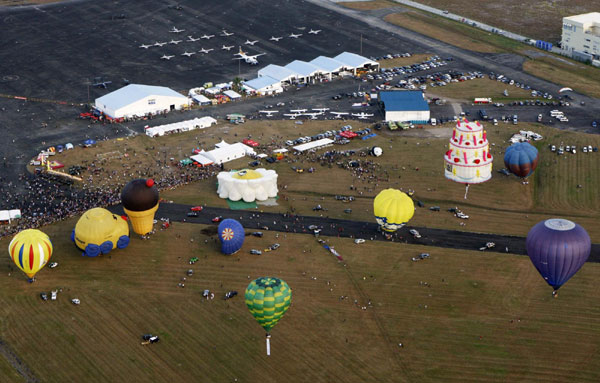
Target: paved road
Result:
[[254, 220]]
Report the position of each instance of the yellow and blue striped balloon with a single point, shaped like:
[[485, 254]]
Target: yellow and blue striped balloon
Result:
[[30, 250], [268, 299]]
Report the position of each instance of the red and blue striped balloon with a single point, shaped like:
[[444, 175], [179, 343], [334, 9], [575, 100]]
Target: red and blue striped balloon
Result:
[[30, 250]]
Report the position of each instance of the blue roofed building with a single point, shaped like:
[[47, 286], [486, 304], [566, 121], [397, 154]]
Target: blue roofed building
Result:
[[140, 100], [405, 106]]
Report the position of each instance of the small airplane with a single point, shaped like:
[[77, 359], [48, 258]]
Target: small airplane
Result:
[[339, 114], [314, 32], [175, 30], [269, 113], [165, 57], [175, 42], [205, 50], [207, 37], [298, 110], [188, 54], [157, 44], [295, 36], [292, 116], [249, 59], [362, 115], [145, 46], [320, 109], [191, 39], [248, 42], [226, 48], [99, 82], [273, 38], [225, 33], [313, 116]]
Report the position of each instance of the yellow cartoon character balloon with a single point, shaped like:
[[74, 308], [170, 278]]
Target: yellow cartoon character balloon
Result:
[[30, 250]]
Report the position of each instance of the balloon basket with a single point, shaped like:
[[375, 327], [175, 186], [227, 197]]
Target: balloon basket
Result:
[[268, 345]]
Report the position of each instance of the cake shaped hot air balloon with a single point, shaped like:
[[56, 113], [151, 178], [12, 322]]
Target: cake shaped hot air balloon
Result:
[[393, 209], [558, 248], [30, 250], [140, 202], [521, 158], [231, 235], [268, 299], [468, 159], [99, 231]]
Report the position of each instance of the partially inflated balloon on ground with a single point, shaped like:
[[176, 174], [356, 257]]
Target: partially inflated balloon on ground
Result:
[[558, 248], [140, 202], [30, 250], [521, 158], [98, 231], [393, 209], [231, 235]]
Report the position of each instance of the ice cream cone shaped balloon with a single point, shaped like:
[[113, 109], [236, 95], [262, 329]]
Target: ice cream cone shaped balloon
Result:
[[140, 201]]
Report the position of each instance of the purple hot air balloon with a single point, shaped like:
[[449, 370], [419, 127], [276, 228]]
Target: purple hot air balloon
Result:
[[521, 159], [558, 248]]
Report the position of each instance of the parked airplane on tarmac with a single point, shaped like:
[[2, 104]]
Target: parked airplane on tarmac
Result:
[[320, 109], [157, 44], [248, 42], [292, 116], [188, 54], [175, 42], [145, 46], [314, 32], [205, 50], [175, 30], [269, 113], [248, 59], [207, 37], [165, 57], [191, 39], [298, 110], [273, 38], [226, 48], [225, 33], [362, 115], [295, 36], [339, 114]]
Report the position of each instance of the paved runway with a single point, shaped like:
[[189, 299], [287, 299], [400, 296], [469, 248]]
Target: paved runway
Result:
[[254, 221]]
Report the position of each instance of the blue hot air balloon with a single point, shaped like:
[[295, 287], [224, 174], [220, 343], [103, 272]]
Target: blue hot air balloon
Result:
[[558, 248], [231, 234], [521, 159]]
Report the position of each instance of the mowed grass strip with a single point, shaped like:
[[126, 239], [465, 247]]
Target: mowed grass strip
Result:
[[402, 61], [467, 91], [581, 78], [368, 5]]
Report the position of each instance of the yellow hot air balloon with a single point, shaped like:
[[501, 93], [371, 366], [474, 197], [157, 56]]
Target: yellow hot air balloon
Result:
[[393, 209], [30, 250]]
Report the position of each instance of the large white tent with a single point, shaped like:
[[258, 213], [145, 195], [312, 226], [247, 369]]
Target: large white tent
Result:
[[140, 100], [223, 153], [313, 145], [352, 61], [182, 126], [278, 72], [305, 71]]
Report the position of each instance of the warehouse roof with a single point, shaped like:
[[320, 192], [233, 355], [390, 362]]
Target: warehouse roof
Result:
[[327, 64], [303, 68], [403, 100], [262, 82], [132, 93], [277, 72], [353, 60]]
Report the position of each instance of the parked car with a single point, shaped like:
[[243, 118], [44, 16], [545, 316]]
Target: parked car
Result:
[[196, 208], [255, 252], [359, 241], [217, 219], [52, 265], [192, 214], [414, 233], [257, 234], [230, 294], [44, 296], [274, 246], [434, 208]]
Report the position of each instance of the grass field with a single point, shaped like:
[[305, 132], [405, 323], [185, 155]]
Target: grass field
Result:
[[461, 316], [369, 5], [539, 20], [501, 205], [467, 91], [402, 61]]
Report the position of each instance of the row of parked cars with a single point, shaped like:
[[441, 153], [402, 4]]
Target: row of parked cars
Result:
[[508, 81], [572, 149], [389, 73], [390, 56]]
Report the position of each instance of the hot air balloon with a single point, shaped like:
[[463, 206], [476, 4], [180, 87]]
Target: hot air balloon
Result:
[[468, 159], [30, 250], [98, 231], [140, 202], [558, 248], [231, 235], [376, 151], [521, 159], [393, 209], [268, 299]]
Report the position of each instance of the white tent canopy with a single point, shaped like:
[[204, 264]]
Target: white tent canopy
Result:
[[264, 85], [8, 215], [232, 94], [278, 72], [313, 145], [224, 153], [182, 126], [139, 100]]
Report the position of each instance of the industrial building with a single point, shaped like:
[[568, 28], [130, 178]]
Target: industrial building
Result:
[[581, 36], [137, 100], [404, 106], [264, 85]]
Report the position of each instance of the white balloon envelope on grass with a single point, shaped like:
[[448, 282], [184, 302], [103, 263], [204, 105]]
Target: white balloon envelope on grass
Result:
[[248, 184]]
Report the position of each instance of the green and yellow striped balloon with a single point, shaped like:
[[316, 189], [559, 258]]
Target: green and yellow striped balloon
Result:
[[268, 299]]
